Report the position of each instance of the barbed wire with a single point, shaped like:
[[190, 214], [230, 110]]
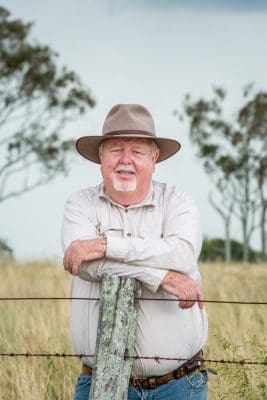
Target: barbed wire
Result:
[[136, 298], [156, 358]]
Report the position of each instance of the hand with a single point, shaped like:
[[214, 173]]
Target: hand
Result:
[[82, 250], [184, 288]]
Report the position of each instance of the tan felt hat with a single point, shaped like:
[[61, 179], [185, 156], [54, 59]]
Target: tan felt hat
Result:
[[126, 121]]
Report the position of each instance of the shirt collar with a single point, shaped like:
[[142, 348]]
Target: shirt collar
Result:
[[148, 201]]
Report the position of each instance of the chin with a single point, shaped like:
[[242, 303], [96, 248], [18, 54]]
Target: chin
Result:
[[121, 186]]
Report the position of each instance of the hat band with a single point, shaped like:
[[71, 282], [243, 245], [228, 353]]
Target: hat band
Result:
[[129, 132]]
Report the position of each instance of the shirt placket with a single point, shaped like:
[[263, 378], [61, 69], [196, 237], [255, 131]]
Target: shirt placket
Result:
[[127, 223]]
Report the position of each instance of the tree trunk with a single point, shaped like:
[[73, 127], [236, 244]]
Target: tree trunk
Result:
[[263, 233], [245, 240], [245, 202], [228, 247], [226, 216], [115, 338], [263, 218]]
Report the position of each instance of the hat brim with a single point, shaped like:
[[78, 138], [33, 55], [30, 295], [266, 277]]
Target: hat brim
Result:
[[88, 146]]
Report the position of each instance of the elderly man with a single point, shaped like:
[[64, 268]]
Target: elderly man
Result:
[[132, 226]]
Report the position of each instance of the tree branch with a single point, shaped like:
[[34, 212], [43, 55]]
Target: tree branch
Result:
[[14, 171], [27, 188]]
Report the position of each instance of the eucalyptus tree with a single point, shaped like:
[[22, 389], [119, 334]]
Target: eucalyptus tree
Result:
[[37, 98], [234, 152]]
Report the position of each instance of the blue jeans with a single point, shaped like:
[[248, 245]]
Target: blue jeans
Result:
[[192, 386]]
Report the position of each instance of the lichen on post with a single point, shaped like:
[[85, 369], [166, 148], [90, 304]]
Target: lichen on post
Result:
[[115, 338]]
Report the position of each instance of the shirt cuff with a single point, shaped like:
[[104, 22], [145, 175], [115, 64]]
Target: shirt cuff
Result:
[[116, 248], [157, 277]]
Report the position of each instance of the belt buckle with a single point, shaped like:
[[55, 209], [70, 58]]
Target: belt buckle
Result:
[[152, 383]]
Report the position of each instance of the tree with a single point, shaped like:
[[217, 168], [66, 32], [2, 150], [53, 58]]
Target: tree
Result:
[[37, 99], [254, 117], [5, 250], [234, 154]]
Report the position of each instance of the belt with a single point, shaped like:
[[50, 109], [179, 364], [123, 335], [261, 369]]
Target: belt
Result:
[[154, 381]]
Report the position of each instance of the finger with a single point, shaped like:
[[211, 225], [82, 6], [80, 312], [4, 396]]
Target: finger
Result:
[[182, 300], [201, 303], [188, 299], [75, 267], [65, 263], [67, 266], [188, 304]]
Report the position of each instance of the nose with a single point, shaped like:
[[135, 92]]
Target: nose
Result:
[[125, 157]]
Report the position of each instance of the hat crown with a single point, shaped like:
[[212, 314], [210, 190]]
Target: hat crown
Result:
[[128, 117]]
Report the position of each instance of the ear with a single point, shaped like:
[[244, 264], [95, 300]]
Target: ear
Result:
[[155, 156]]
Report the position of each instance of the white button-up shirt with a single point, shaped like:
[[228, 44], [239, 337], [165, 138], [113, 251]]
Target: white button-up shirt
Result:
[[144, 241]]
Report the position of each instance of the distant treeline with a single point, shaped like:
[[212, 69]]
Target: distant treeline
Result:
[[214, 250]]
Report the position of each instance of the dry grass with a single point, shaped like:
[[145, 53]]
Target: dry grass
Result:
[[43, 326], [236, 331], [35, 327]]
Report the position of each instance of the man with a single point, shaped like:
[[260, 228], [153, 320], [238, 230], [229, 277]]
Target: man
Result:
[[130, 225]]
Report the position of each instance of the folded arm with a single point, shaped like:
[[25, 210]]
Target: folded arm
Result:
[[84, 252], [153, 261]]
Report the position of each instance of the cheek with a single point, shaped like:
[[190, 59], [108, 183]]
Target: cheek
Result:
[[106, 165], [107, 169], [147, 169]]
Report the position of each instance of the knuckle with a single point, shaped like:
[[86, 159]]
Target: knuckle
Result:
[[74, 244]]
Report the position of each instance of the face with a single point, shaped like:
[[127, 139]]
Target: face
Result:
[[127, 166]]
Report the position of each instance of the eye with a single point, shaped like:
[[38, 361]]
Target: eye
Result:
[[138, 152]]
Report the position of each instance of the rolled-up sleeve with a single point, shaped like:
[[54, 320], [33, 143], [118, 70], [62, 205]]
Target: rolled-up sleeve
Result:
[[79, 224], [178, 248]]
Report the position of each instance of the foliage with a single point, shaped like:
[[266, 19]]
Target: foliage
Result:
[[241, 382], [213, 250], [234, 154], [37, 99]]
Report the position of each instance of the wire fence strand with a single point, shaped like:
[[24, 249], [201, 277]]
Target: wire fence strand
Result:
[[242, 302], [156, 358], [241, 362]]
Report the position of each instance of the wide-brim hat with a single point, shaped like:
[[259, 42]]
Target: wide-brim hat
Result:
[[127, 121]]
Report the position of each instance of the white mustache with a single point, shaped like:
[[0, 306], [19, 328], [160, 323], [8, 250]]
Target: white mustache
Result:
[[125, 168]]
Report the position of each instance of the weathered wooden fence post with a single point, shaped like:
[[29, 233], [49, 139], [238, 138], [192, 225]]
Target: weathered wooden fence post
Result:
[[115, 338]]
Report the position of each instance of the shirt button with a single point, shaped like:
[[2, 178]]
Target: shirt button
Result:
[[126, 210], [129, 234]]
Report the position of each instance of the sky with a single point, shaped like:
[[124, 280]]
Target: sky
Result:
[[150, 52]]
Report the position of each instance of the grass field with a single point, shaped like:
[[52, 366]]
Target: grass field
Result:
[[235, 331]]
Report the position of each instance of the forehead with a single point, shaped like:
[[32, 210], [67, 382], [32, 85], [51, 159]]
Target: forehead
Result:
[[127, 141]]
